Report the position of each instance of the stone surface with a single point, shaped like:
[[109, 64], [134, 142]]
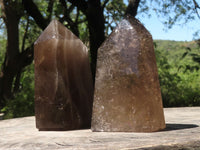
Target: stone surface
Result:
[[127, 92], [183, 128], [186, 146], [63, 82]]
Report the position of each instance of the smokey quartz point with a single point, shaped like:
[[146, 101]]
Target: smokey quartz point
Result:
[[63, 81], [127, 93]]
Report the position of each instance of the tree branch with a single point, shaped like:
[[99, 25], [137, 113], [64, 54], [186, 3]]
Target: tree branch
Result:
[[81, 21], [1, 24], [17, 82], [77, 15], [132, 8], [34, 12], [26, 57], [25, 34], [81, 4], [71, 7], [197, 13], [64, 4], [196, 6], [72, 24], [50, 9], [104, 4], [67, 11]]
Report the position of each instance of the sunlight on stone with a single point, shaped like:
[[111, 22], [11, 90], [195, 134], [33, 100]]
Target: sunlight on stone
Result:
[[127, 92]]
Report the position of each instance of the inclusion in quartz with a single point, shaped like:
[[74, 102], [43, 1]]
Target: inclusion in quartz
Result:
[[127, 94], [63, 81]]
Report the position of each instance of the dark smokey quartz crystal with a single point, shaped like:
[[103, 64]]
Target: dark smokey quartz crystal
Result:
[[127, 93], [63, 82]]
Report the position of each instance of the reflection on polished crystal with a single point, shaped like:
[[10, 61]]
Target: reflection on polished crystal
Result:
[[127, 93], [63, 82]]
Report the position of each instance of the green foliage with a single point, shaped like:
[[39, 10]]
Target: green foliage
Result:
[[32, 33], [23, 103], [2, 49], [174, 11], [84, 33], [179, 84], [114, 11]]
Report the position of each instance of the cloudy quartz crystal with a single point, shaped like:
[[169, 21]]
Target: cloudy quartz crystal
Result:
[[63, 81], [127, 94]]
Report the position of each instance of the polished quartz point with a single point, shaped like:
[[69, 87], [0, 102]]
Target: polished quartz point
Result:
[[63, 81], [127, 93]]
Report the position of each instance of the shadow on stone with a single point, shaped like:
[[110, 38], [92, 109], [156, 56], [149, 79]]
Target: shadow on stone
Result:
[[171, 127]]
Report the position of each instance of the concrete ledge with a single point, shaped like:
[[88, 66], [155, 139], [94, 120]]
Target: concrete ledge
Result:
[[183, 131]]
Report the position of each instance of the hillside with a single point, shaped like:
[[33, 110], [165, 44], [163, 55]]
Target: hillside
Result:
[[179, 72], [174, 50]]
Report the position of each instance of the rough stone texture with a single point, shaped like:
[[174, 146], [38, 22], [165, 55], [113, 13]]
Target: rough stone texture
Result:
[[63, 82], [127, 92], [182, 129]]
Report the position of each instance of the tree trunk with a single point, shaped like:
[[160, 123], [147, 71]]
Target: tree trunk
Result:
[[14, 60], [10, 65], [132, 8], [96, 25]]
